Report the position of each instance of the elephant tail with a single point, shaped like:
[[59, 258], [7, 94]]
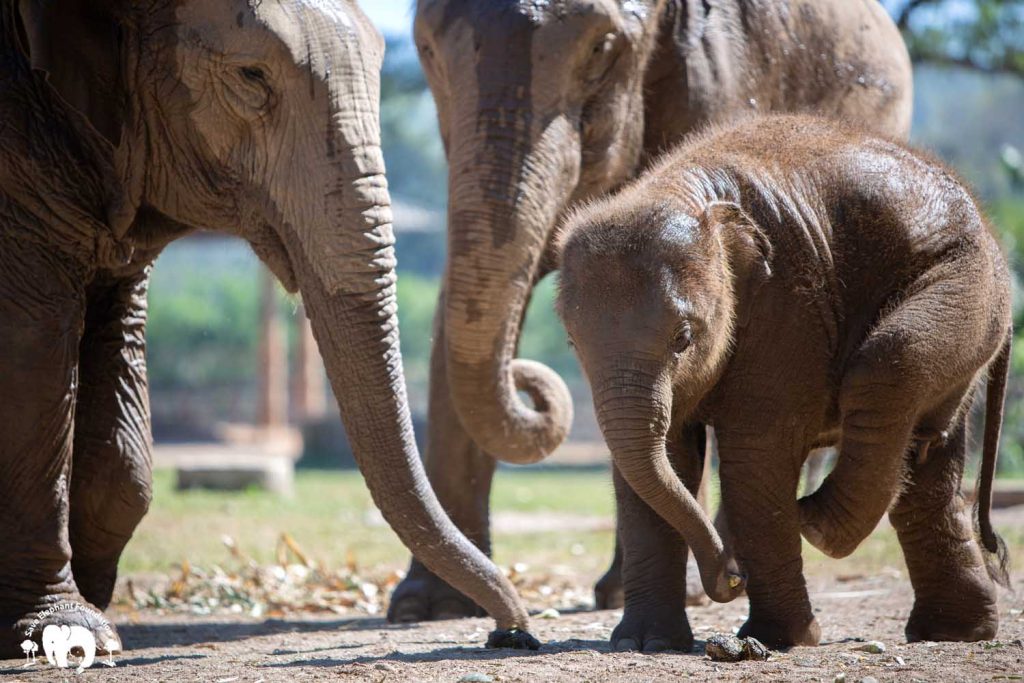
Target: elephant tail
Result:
[[996, 560]]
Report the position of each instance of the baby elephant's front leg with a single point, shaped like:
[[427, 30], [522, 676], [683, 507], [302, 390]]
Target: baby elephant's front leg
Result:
[[654, 558]]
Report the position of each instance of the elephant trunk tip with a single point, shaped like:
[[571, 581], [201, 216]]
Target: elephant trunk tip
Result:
[[723, 581]]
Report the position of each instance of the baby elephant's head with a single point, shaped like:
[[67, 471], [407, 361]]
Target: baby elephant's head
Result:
[[658, 289], [650, 295]]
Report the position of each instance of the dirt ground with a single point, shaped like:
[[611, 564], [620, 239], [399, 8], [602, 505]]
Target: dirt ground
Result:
[[850, 610]]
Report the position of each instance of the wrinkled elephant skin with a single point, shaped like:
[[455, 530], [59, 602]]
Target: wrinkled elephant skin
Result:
[[796, 283], [544, 105], [124, 125]]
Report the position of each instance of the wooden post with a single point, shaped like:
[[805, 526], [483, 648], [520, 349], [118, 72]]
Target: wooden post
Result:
[[308, 395], [273, 361]]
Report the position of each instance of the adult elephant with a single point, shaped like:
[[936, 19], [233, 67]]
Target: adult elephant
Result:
[[125, 124], [544, 105]]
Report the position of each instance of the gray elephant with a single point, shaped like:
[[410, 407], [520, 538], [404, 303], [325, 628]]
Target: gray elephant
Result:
[[543, 105], [796, 283], [58, 641], [123, 125]]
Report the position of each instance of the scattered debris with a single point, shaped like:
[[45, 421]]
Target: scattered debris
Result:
[[296, 583], [869, 679], [727, 648], [840, 677], [875, 647]]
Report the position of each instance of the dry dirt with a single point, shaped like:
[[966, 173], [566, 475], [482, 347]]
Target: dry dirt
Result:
[[850, 610]]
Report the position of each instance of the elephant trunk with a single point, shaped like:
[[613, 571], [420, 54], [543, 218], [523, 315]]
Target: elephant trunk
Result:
[[508, 185], [345, 269], [634, 408]]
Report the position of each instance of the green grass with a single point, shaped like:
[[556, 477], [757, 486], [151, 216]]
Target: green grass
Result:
[[333, 519]]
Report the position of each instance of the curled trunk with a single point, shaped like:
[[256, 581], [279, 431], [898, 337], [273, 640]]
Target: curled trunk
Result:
[[634, 409], [508, 185]]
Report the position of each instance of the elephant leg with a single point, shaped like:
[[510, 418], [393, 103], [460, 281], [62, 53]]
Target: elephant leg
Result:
[[461, 475], [42, 307], [654, 559], [112, 481], [759, 485], [907, 381], [954, 598]]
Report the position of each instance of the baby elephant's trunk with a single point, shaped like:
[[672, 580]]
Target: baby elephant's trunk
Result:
[[634, 412]]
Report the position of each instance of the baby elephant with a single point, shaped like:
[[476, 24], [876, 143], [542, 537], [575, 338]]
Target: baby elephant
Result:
[[796, 284]]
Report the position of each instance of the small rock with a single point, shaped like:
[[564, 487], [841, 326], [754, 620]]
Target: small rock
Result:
[[869, 679], [875, 647], [899, 661], [839, 678], [476, 677], [549, 613], [726, 648]]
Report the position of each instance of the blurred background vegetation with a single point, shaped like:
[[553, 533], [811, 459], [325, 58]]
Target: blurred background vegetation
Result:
[[969, 99]]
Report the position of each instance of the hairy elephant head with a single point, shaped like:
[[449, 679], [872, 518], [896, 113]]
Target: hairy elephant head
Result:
[[261, 118], [650, 298], [540, 105]]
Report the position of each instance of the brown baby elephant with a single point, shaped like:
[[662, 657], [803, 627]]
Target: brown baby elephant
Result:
[[796, 284]]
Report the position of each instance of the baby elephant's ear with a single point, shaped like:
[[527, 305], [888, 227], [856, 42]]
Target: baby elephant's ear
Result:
[[748, 250]]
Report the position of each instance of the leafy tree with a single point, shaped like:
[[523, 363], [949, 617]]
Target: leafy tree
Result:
[[985, 35]]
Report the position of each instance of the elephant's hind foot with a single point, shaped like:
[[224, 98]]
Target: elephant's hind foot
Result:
[[421, 596], [653, 629], [967, 626], [608, 593], [779, 633]]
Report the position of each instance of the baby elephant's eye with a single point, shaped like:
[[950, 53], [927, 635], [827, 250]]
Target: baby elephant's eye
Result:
[[253, 73], [683, 339]]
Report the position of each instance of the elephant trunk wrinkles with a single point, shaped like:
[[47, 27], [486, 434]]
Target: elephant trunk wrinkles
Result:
[[508, 186], [349, 290], [634, 408]]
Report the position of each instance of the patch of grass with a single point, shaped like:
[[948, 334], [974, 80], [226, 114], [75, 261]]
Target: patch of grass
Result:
[[334, 520]]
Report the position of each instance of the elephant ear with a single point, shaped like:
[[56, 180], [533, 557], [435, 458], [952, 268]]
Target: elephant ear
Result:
[[749, 252], [65, 631], [77, 43]]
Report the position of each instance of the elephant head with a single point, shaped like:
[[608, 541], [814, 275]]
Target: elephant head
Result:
[[650, 298], [540, 105], [260, 118], [58, 641]]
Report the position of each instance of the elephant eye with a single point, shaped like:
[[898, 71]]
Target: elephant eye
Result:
[[254, 74], [682, 340]]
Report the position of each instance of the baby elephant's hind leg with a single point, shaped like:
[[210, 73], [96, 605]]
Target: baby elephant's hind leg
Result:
[[111, 479], [910, 374], [954, 598]]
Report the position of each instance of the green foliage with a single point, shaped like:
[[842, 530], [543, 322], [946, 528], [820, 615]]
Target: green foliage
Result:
[[987, 35]]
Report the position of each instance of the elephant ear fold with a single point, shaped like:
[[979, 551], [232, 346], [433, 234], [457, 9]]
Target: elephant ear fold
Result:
[[748, 250], [77, 43], [65, 630]]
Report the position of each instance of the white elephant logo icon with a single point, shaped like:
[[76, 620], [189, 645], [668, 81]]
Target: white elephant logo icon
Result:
[[58, 641]]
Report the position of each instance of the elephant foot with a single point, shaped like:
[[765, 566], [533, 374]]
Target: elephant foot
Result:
[[923, 626], [61, 611], [421, 596], [820, 531], [966, 610], [778, 634], [653, 629], [608, 593]]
